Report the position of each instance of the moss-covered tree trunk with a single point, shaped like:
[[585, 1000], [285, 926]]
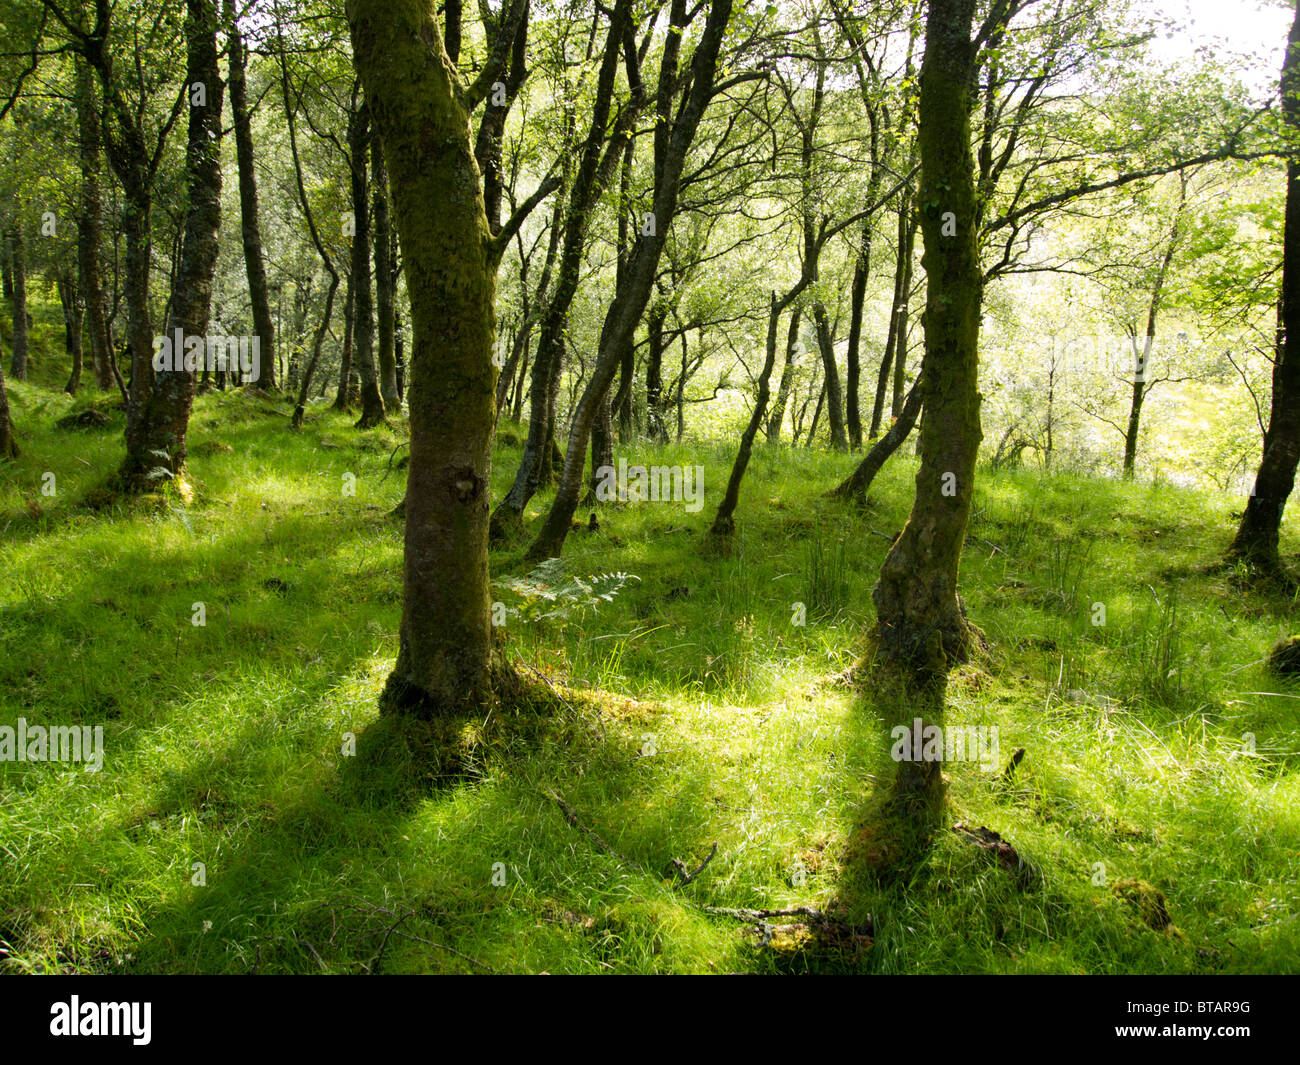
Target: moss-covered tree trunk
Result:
[[8, 445], [777, 418], [385, 292], [73, 313], [920, 621], [417, 102], [895, 356], [342, 397], [18, 304], [250, 227], [858, 483], [921, 629], [363, 310], [158, 415], [592, 174], [90, 225], [672, 142], [1256, 542], [834, 395]]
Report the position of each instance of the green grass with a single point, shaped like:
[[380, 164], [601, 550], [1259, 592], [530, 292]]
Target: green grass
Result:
[[692, 711]]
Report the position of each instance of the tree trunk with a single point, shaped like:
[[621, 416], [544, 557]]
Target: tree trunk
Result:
[[8, 445], [817, 414], [787, 378], [73, 312], [343, 398], [588, 183], [903, 320], [90, 226], [159, 412], [656, 429], [363, 311], [858, 483], [385, 294], [602, 441], [445, 656], [921, 625], [250, 225], [672, 142], [1143, 358], [1256, 542], [627, 361], [724, 523], [834, 397], [894, 335], [853, 356], [18, 263]]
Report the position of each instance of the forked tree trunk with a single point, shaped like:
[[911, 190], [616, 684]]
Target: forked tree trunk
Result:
[[834, 396], [1256, 542], [724, 522], [159, 413], [445, 656], [589, 180], [787, 379], [625, 312]]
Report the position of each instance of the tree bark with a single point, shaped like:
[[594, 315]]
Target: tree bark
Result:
[[787, 379], [853, 355], [672, 142], [90, 226], [858, 483], [73, 312], [445, 661], [588, 183], [921, 625], [159, 412], [343, 398], [363, 310], [385, 288], [249, 222], [1256, 542], [8, 445], [895, 357], [834, 396], [18, 264]]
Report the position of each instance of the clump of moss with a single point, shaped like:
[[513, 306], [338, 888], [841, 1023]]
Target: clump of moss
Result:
[[1149, 902]]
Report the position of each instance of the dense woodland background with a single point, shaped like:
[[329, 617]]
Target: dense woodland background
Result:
[[973, 317]]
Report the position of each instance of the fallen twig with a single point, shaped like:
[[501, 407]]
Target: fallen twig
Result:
[[571, 815], [680, 866]]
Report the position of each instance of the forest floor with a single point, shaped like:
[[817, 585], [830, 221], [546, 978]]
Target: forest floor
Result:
[[690, 711]]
